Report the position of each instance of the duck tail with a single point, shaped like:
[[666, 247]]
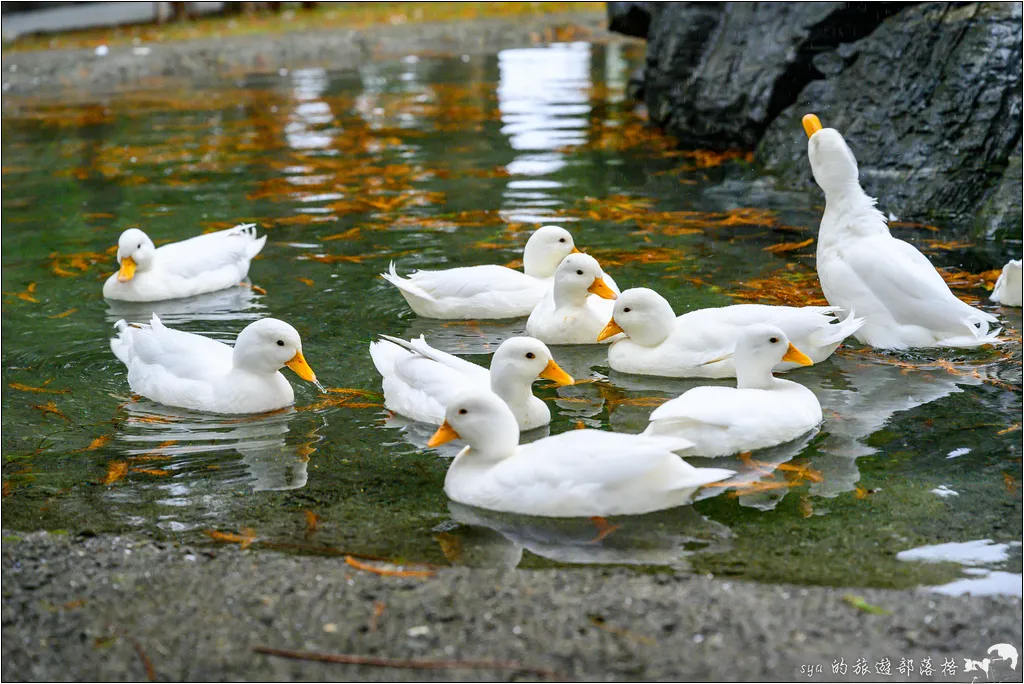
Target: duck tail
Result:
[[122, 344], [386, 352], [835, 333]]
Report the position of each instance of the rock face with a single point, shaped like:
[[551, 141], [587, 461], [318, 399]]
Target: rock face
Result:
[[927, 94], [930, 104]]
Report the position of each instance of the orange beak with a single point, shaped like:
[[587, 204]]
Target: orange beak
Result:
[[444, 434], [301, 368], [553, 372], [812, 124], [611, 329], [127, 270], [794, 355], [575, 251], [601, 289]]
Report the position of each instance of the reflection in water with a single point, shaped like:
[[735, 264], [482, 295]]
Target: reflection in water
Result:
[[979, 558], [489, 539], [192, 450], [232, 304], [545, 104]]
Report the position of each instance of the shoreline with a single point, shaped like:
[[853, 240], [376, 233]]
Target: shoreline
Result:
[[56, 73], [100, 608]]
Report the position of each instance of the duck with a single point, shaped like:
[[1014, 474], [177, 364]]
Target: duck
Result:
[[1008, 289], [579, 473], [190, 371], [419, 380], [488, 291], [204, 263], [761, 411], [904, 301], [698, 344], [570, 315]]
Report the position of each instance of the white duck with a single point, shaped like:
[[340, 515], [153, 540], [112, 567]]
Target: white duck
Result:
[[205, 263], [1008, 289], [697, 344], [419, 381], [574, 474], [485, 292], [190, 371], [570, 315], [761, 411], [904, 301]]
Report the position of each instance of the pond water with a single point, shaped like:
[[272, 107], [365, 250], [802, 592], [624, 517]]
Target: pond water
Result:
[[914, 479]]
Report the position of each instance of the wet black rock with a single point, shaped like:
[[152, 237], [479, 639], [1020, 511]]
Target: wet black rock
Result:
[[930, 104], [629, 18], [719, 73], [927, 94]]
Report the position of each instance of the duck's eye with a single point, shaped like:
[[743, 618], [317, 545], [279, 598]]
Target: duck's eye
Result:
[[774, 340], [463, 412], [579, 272], [529, 355], [280, 343], [562, 240], [626, 310], [140, 246]]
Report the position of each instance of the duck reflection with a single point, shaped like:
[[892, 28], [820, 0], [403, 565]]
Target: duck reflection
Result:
[[187, 443], [480, 538], [238, 303]]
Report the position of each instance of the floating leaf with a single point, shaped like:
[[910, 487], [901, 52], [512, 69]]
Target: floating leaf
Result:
[[244, 540], [51, 408], [28, 388], [788, 246], [116, 470], [387, 571]]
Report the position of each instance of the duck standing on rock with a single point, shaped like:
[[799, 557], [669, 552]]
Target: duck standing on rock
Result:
[[1008, 290], [864, 269]]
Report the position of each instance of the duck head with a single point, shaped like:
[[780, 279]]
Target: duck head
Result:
[[482, 420], [270, 344], [759, 348], [545, 250], [832, 162], [521, 360], [578, 276], [134, 253], [643, 314]]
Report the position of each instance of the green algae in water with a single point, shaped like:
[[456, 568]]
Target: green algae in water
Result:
[[435, 162]]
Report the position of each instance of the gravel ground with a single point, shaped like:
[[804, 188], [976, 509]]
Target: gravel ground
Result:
[[111, 608]]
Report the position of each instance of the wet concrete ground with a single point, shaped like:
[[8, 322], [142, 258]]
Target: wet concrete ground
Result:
[[111, 608]]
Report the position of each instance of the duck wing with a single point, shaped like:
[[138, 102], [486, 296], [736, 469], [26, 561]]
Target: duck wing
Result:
[[884, 272], [181, 354], [212, 251]]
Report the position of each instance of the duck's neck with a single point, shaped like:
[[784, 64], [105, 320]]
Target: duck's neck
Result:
[[568, 295], [511, 387], [537, 264], [755, 376], [848, 209], [654, 331]]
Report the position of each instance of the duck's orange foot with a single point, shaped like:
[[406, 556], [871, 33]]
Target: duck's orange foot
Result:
[[604, 528]]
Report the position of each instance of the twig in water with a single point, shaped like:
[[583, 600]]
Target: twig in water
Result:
[[387, 571], [347, 659]]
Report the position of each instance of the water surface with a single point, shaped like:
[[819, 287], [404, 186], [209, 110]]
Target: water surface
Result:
[[441, 161]]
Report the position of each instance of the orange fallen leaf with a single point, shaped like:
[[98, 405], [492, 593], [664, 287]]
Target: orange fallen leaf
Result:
[[1011, 484], [350, 234], [244, 540], [861, 493], [1012, 428], [378, 611], [312, 522], [788, 246], [806, 507], [305, 281], [51, 408], [7, 488], [27, 388], [389, 572], [116, 470], [63, 314], [159, 472], [97, 443]]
